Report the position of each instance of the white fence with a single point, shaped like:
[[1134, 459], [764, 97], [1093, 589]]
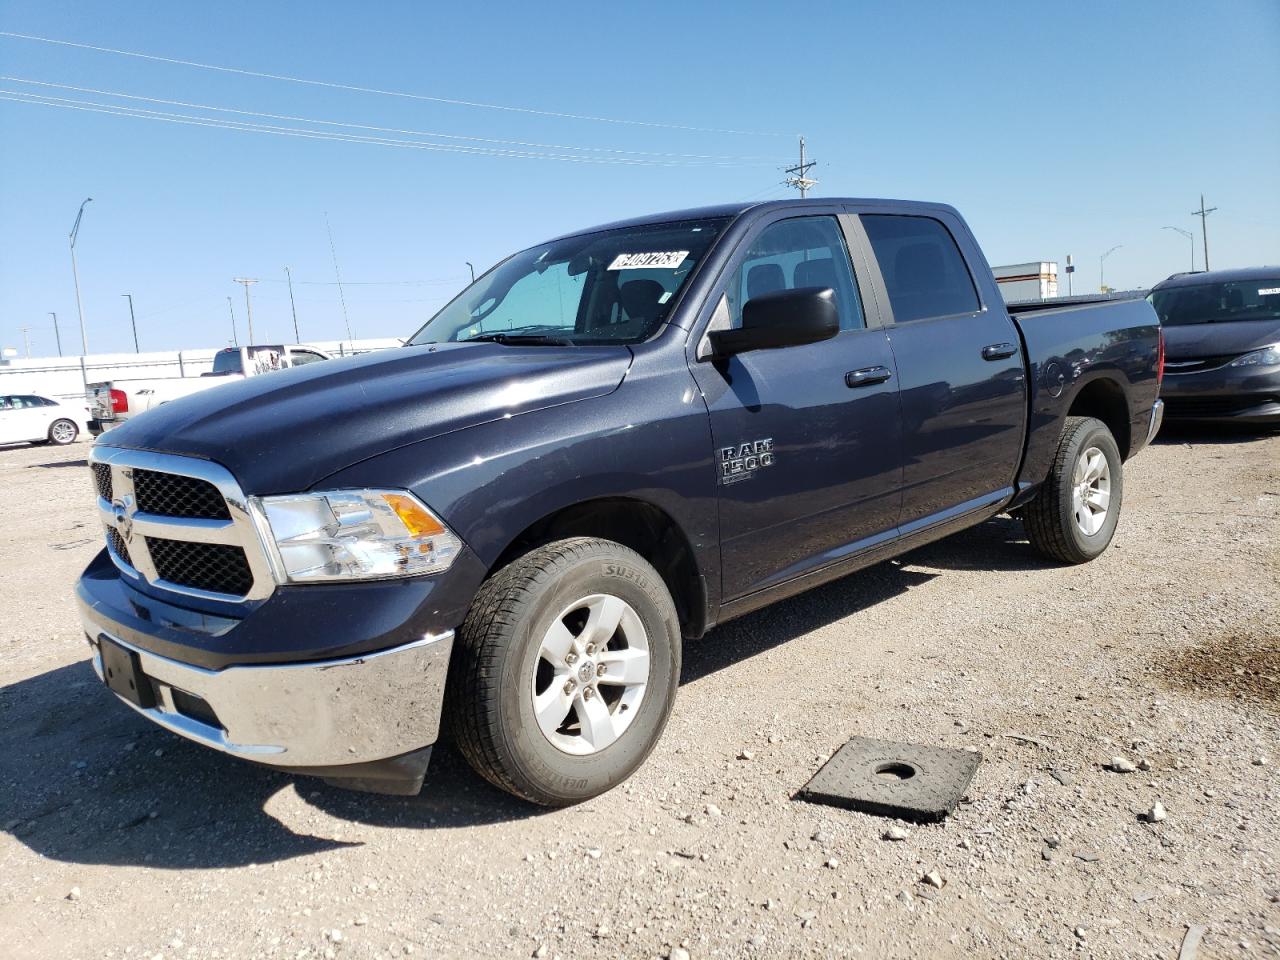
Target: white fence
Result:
[[65, 378]]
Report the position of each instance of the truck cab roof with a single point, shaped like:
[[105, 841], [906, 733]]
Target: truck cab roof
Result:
[[730, 210]]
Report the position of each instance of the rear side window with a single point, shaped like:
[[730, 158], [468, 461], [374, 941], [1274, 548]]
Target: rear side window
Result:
[[922, 267]]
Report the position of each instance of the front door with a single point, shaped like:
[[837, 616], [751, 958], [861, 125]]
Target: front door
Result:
[[808, 438], [9, 428], [960, 369]]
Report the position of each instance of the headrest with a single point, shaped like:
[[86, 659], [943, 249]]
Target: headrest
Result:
[[765, 278], [816, 273], [641, 298]]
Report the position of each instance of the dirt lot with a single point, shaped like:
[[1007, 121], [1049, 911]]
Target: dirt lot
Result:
[[122, 840]]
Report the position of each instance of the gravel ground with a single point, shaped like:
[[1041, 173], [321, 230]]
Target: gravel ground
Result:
[[122, 840]]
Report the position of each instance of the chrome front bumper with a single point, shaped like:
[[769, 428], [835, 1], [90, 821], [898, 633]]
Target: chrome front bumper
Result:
[[329, 713]]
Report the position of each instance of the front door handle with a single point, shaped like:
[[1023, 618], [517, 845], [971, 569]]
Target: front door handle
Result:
[[867, 376], [998, 351]]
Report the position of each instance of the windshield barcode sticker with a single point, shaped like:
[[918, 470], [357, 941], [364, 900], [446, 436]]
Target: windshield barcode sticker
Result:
[[1268, 291], [666, 260]]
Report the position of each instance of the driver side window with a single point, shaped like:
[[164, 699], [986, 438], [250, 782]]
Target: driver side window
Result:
[[789, 254]]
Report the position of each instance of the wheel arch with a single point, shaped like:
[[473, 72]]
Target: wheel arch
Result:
[[638, 524], [1105, 398]]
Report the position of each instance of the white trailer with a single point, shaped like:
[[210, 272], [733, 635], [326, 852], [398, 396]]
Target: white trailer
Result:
[[1020, 282]]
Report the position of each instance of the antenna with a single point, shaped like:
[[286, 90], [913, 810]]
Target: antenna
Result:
[[799, 174]]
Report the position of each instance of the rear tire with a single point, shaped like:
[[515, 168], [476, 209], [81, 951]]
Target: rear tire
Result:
[[565, 671], [1073, 517], [63, 432]]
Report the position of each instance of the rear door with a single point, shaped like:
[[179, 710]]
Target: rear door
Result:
[[808, 456], [959, 361]]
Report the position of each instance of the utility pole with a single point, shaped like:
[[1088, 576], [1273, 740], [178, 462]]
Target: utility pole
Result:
[[1202, 213], [1192, 237], [75, 275], [248, 305], [1102, 264], [132, 321], [56, 335], [342, 297], [297, 337], [26, 340], [800, 178], [235, 339], [472, 269]]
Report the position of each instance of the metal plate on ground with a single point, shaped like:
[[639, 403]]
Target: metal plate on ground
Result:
[[904, 780]]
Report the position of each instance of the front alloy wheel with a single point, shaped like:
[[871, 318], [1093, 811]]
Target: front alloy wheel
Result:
[[591, 674], [564, 671]]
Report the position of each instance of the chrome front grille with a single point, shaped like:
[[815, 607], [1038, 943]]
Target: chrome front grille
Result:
[[102, 480], [217, 567], [173, 495], [180, 524]]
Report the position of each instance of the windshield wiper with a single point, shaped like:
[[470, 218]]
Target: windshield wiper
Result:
[[522, 339]]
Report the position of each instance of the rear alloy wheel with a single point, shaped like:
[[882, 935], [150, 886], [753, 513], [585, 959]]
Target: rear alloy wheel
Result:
[[1073, 517], [565, 670], [62, 432]]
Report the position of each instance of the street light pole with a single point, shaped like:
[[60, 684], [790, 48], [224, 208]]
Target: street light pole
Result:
[[75, 275], [297, 337], [248, 305], [472, 269], [1102, 265], [132, 321], [235, 339], [56, 335], [1192, 237]]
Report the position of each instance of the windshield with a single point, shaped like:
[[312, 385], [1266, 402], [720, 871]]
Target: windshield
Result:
[[1218, 302], [616, 286]]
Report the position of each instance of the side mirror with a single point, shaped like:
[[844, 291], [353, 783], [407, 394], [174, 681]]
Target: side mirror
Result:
[[784, 318]]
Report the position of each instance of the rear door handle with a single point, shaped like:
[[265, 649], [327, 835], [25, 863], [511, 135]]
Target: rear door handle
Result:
[[998, 351], [867, 376]]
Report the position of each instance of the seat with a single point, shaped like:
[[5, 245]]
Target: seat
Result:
[[765, 278], [641, 300], [816, 273]]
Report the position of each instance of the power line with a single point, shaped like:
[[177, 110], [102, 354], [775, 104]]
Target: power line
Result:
[[362, 126], [385, 93], [276, 130]]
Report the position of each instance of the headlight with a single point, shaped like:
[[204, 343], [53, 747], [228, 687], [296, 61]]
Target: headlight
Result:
[[1268, 356], [357, 535]]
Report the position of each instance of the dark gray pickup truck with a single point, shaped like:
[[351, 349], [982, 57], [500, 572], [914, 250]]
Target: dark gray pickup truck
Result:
[[605, 446]]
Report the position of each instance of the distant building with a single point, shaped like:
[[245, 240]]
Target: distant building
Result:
[[1037, 280]]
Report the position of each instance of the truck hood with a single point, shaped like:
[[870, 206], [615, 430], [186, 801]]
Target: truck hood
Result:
[[283, 432], [1196, 340]]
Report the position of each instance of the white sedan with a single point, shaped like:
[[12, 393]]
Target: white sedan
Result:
[[35, 419]]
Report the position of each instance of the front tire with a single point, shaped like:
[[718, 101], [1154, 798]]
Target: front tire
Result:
[[1073, 517], [565, 671], [63, 432]]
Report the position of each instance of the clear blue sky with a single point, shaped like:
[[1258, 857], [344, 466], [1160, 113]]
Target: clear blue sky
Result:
[[1055, 128]]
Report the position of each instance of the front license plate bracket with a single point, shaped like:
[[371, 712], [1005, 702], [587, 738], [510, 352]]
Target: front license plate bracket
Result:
[[122, 673]]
